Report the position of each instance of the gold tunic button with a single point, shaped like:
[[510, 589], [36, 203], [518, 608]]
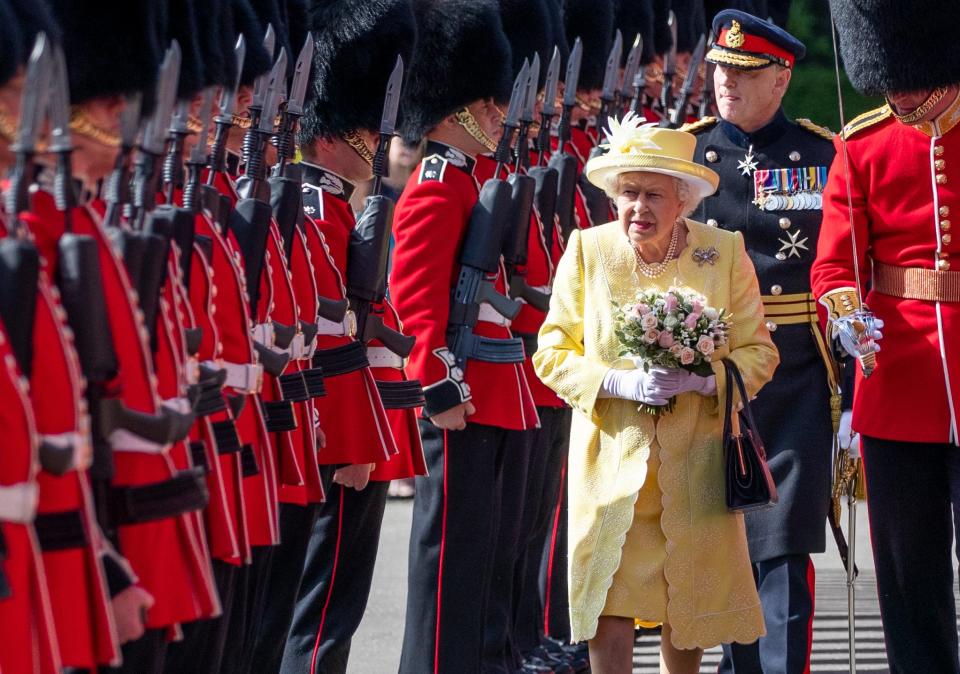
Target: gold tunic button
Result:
[[945, 225], [771, 326], [776, 290], [943, 265], [712, 156], [784, 223], [941, 178], [944, 211], [794, 156], [946, 238], [712, 222], [938, 150], [940, 164]]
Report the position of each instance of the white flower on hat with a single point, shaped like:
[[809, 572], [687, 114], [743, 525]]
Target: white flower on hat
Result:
[[630, 135]]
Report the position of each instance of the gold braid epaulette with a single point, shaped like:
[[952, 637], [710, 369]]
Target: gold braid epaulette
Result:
[[815, 129], [699, 125], [866, 120]]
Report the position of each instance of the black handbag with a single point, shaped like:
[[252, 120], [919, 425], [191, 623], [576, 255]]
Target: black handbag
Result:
[[749, 484]]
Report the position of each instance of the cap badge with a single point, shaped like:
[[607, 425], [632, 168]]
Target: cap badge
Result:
[[735, 36]]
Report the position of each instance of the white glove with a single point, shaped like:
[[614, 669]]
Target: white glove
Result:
[[848, 336], [847, 437], [655, 387]]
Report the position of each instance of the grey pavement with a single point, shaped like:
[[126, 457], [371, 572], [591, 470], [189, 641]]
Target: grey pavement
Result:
[[376, 646]]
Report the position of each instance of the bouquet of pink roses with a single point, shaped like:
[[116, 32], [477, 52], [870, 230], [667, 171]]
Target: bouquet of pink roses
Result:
[[673, 329]]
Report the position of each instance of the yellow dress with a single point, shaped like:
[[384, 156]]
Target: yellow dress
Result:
[[710, 596]]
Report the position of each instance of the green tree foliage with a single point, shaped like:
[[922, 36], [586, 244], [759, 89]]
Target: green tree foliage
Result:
[[813, 89]]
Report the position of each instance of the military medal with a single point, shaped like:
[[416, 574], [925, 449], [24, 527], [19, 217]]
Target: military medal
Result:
[[789, 189], [793, 245], [748, 164]]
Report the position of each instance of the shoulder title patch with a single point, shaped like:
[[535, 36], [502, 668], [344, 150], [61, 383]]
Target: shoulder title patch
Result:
[[866, 120], [699, 125], [432, 168], [815, 129]]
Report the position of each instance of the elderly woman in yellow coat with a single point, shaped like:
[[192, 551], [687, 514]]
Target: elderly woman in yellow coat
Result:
[[650, 535]]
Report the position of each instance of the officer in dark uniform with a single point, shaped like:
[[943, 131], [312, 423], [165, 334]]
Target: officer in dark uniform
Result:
[[772, 172]]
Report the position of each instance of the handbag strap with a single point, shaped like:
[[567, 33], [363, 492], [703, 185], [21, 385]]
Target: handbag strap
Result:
[[738, 378], [728, 402]]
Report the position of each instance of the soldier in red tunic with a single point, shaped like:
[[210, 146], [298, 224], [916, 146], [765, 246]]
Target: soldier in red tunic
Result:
[[474, 419], [895, 169]]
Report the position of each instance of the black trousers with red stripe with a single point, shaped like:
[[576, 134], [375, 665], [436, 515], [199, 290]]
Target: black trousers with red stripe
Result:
[[336, 579], [551, 444], [277, 583], [553, 569], [453, 539], [786, 586]]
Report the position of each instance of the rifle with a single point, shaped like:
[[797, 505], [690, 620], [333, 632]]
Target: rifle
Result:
[[19, 257], [706, 97], [523, 188], [480, 257], [669, 72], [545, 177], [563, 161], [369, 246], [679, 112], [250, 220]]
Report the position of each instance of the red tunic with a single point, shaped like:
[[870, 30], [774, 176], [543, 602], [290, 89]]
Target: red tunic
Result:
[[429, 225], [354, 422], [26, 621], [902, 213], [166, 554]]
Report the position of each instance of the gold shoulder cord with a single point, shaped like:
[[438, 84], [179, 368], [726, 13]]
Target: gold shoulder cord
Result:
[[466, 119]]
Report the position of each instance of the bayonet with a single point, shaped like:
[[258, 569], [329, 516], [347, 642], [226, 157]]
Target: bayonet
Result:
[[678, 113], [388, 124], [391, 99], [549, 109], [117, 188], [32, 108], [613, 67], [59, 113], [669, 67], [609, 93], [530, 102], [570, 83], [572, 79], [629, 85], [511, 122], [154, 131], [552, 84], [273, 94], [228, 96], [260, 84], [130, 120], [301, 78]]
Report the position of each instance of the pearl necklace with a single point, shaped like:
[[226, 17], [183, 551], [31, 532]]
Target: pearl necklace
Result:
[[653, 270]]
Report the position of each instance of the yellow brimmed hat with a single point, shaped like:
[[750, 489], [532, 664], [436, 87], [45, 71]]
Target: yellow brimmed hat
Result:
[[634, 146]]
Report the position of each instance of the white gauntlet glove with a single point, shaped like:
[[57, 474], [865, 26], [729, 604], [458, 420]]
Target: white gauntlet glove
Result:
[[853, 340], [847, 437]]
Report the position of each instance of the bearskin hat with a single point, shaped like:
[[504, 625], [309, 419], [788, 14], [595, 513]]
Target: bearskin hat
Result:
[[270, 13], [110, 48], [356, 44], [555, 12], [528, 28], [461, 55], [11, 45], [256, 60], [691, 23], [632, 18], [889, 45], [592, 22]]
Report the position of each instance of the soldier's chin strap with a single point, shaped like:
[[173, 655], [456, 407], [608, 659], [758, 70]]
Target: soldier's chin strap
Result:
[[470, 124], [357, 144], [921, 110]]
